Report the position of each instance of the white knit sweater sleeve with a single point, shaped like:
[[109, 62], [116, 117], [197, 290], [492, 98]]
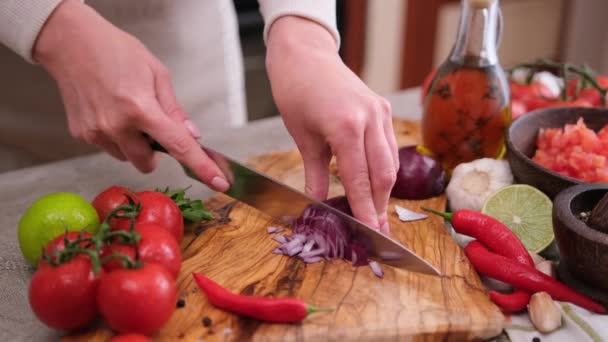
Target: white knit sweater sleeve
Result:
[[21, 21], [320, 11]]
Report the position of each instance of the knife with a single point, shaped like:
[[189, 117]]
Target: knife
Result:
[[282, 201]]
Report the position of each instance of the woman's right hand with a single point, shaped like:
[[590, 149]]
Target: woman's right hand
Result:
[[114, 90]]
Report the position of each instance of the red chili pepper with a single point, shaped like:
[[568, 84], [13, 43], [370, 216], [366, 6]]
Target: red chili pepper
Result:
[[489, 231], [280, 310], [500, 239], [524, 277], [511, 302]]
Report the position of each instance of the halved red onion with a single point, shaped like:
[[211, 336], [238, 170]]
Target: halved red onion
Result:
[[319, 233]]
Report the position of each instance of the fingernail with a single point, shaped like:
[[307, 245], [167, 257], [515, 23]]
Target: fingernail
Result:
[[219, 184], [190, 126]]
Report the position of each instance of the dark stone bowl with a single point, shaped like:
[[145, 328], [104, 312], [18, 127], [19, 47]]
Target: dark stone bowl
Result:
[[521, 144], [583, 250]]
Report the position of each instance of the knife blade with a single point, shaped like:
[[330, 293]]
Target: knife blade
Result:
[[280, 201]]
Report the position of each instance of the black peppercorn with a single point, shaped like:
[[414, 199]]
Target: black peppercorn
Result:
[[207, 321], [180, 303]]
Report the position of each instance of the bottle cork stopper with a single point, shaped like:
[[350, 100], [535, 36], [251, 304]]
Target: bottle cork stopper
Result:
[[481, 4]]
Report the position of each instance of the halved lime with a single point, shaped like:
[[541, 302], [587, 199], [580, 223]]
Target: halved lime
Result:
[[526, 211]]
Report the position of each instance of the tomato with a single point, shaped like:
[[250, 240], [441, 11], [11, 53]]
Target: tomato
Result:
[[160, 209], [536, 103], [533, 90], [58, 243], [518, 108], [111, 198], [130, 338], [157, 246], [63, 297], [588, 93], [137, 300]]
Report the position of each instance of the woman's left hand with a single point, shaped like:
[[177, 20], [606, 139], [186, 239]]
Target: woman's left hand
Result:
[[329, 111]]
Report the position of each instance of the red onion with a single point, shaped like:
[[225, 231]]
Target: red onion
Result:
[[376, 269], [319, 233], [419, 176], [407, 215], [273, 230]]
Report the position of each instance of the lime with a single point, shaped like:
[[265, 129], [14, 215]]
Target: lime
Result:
[[526, 211], [49, 216]]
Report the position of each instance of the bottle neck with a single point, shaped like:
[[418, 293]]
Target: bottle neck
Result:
[[477, 33]]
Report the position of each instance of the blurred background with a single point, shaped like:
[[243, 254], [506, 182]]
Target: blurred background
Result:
[[393, 44]]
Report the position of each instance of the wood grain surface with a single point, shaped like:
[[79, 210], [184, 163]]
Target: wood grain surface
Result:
[[236, 251]]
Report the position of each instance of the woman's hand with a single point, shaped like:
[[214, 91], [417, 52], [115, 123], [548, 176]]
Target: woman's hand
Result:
[[114, 91], [329, 110]]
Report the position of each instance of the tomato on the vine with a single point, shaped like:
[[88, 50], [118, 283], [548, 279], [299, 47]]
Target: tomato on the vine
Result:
[[156, 245], [139, 300], [588, 93], [160, 209], [518, 108], [64, 297], [533, 90], [109, 199], [58, 243], [536, 103]]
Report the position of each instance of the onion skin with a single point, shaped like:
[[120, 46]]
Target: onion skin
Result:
[[419, 176]]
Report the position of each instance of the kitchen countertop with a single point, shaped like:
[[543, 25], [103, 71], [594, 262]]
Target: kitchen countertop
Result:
[[90, 174]]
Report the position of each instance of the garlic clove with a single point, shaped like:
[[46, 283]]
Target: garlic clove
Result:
[[544, 313]]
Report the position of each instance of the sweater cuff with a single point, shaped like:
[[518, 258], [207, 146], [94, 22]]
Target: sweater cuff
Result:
[[21, 22], [322, 12]]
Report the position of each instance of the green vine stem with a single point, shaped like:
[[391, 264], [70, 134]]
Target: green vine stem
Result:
[[69, 253]]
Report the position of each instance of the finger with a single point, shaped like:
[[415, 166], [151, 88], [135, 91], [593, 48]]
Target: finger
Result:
[[137, 150], [168, 101], [352, 167], [316, 171], [381, 170], [110, 147], [175, 137], [390, 132]]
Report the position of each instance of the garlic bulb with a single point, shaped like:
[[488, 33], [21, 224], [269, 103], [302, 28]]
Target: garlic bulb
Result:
[[473, 182]]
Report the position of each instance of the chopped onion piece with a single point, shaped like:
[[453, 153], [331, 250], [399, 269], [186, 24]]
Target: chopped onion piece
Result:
[[407, 215], [319, 234], [376, 269], [312, 260], [272, 230], [280, 239], [312, 253], [308, 246]]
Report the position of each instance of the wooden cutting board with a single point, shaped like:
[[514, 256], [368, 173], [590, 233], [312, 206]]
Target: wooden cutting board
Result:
[[236, 251]]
